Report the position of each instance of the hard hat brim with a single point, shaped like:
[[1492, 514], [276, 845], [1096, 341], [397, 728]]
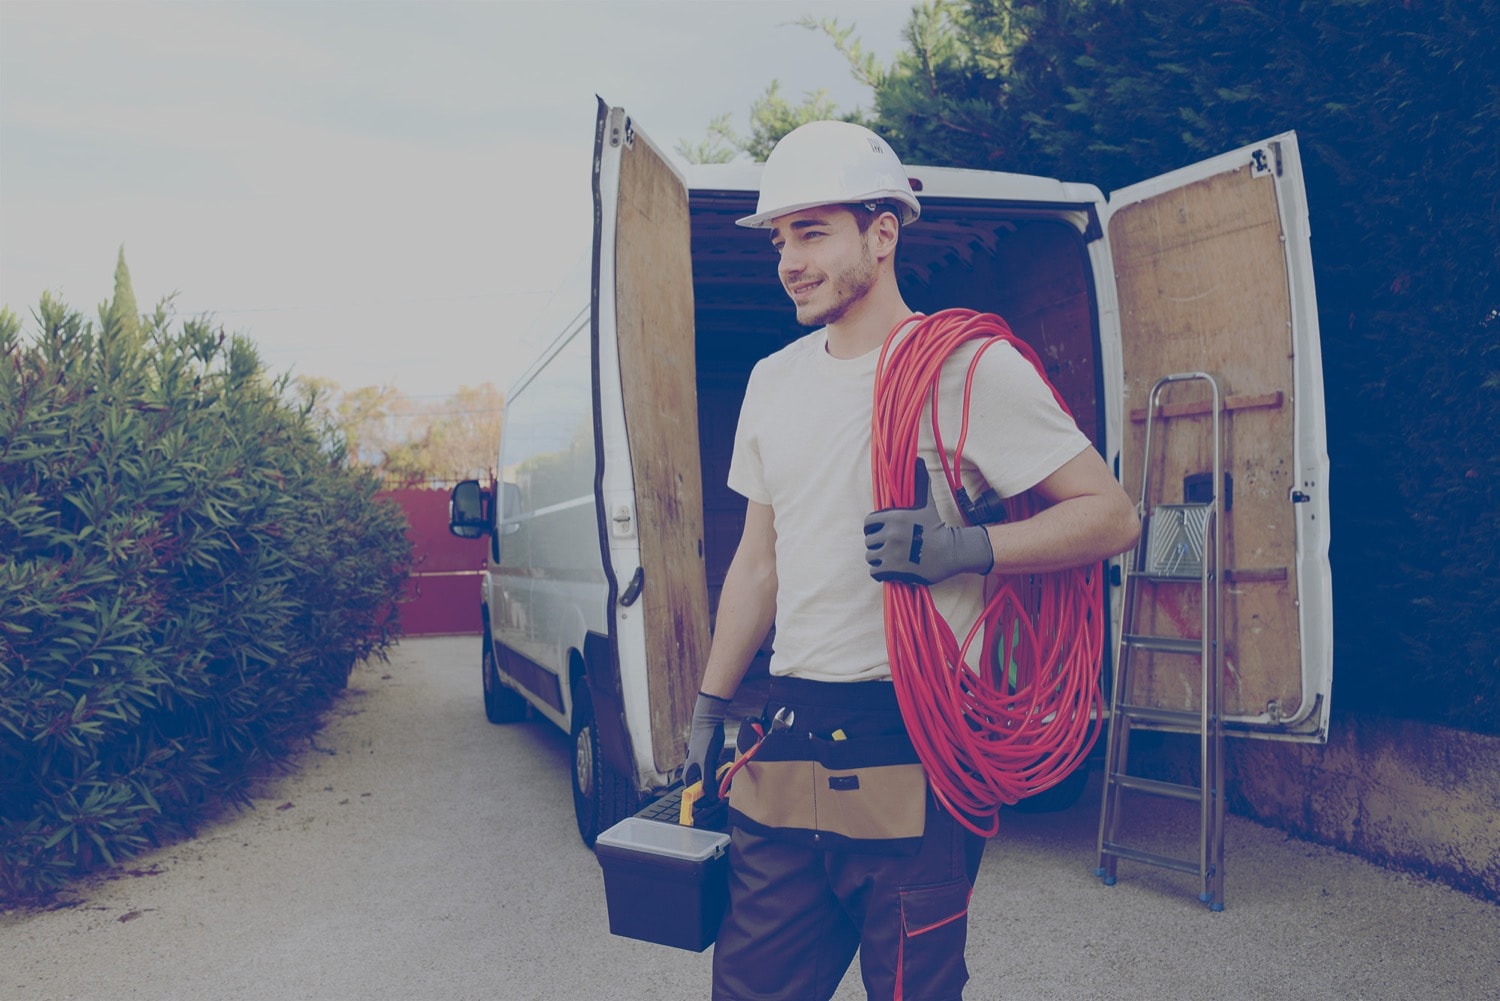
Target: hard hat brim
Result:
[[910, 209]]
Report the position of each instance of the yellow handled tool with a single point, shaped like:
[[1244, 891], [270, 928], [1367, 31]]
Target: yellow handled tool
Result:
[[692, 794]]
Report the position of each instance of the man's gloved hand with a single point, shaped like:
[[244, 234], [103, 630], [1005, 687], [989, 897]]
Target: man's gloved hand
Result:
[[913, 545], [705, 744]]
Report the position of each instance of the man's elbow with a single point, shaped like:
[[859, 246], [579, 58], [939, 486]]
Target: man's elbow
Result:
[[1116, 526], [1125, 525], [1130, 534]]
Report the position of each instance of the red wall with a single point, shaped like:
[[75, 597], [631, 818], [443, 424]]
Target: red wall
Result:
[[443, 593]]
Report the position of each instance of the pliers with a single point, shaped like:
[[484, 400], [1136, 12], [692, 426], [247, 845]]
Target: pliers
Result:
[[782, 721]]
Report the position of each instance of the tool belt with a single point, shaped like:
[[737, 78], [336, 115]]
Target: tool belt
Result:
[[843, 777]]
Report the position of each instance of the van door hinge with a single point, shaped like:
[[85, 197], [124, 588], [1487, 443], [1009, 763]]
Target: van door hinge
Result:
[[622, 132], [1266, 160]]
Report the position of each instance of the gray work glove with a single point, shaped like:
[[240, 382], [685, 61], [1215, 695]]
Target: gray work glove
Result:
[[705, 744], [913, 545]]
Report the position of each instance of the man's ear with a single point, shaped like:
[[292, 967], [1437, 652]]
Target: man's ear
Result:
[[885, 233]]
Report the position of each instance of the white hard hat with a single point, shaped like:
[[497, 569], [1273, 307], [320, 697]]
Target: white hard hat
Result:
[[830, 163]]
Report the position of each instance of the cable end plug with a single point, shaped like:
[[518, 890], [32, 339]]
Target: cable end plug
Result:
[[989, 509]]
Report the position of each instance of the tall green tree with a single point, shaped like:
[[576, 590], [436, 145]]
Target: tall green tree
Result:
[[123, 306], [1397, 109]]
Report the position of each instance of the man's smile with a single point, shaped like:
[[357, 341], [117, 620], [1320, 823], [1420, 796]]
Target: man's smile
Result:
[[802, 289]]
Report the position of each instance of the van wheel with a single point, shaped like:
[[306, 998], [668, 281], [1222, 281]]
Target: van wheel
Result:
[[502, 703], [601, 796]]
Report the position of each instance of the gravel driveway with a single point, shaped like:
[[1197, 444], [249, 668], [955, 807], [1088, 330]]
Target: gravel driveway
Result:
[[417, 852]]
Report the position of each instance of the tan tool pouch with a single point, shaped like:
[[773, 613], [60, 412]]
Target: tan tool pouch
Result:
[[862, 794]]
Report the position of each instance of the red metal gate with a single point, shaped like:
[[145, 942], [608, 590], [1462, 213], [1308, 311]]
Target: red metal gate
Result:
[[442, 595]]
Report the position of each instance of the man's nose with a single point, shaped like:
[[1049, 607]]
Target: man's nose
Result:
[[790, 265]]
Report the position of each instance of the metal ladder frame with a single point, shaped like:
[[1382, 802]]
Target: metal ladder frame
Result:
[[1207, 722]]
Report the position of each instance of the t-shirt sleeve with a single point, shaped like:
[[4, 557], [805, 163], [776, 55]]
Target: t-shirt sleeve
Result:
[[746, 473], [1018, 435]]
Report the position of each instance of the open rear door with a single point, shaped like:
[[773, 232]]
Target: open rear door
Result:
[[1214, 274], [650, 490]]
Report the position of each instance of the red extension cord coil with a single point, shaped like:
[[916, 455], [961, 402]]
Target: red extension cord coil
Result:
[[1028, 714]]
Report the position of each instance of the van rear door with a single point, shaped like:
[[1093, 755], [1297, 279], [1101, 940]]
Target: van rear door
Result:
[[650, 493], [1214, 273]]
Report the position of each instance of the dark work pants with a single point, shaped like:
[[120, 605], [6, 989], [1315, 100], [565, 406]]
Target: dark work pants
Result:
[[797, 914]]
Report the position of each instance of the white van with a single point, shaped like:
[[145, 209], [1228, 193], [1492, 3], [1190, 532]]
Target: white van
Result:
[[614, 526]]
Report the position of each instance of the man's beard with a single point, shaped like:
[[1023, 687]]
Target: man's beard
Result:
[[849, 287]]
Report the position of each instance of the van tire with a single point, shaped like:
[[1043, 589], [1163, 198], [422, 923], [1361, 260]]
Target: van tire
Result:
[[502, 703], [601, 796]]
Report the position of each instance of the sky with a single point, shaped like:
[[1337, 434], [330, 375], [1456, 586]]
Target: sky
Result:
[[376, 193]]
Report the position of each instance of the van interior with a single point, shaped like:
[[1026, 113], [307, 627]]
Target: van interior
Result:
[[1029, 266]]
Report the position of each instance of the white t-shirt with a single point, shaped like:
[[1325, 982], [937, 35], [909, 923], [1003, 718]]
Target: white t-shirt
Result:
[[802, 446]]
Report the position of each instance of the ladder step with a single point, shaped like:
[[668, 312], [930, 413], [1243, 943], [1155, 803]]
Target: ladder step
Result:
[[1156, 787], [1150, 858], [1164, 644], [1164, 717], [1186, 577]]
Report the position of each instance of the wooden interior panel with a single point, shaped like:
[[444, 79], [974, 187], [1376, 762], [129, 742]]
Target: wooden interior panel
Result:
[[654, 319], [1203, 286], [1032, 275], [1051, 308]]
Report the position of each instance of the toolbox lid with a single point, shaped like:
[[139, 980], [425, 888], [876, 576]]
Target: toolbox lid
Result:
[[657, 838]]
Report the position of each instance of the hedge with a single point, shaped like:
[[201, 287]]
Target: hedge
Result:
[[188, 572]]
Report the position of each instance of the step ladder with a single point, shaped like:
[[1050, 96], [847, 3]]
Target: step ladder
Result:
[[1180, 546]]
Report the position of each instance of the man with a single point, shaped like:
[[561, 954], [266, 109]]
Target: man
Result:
[[864, 859]]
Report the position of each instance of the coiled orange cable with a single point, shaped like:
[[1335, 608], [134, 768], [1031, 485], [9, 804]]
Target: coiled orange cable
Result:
[[1028, 711]]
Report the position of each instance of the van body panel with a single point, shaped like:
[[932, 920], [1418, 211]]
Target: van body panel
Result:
[[544, 587], [1213, 274]]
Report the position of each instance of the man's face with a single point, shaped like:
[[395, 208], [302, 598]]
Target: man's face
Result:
[[826, 265]]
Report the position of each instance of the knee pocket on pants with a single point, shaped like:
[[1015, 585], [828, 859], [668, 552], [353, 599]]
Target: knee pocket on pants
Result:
[[934, 930]]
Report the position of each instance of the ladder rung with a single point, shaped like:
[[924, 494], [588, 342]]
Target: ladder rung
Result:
[[1164, 644], [1150, 858], [1164, 717], [1157, 788], [1172, 577]]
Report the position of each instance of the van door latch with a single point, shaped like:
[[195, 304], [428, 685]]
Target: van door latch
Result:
[[622, 520], [633, 589]]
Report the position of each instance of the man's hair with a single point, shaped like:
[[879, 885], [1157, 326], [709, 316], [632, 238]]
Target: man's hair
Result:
[[867, 212]]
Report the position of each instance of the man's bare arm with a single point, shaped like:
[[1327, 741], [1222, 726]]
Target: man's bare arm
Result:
[[1091, 519], [747, 604]]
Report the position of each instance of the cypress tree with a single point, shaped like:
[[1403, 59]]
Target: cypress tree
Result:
[[123, 306]]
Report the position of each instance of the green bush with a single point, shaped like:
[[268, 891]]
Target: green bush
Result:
[[188, 571]]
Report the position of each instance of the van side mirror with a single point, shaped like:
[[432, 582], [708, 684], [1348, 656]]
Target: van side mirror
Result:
[[469, 510]]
